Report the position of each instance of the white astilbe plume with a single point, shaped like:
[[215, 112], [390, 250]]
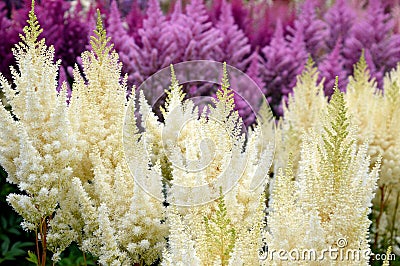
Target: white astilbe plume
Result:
[[217, 180], [329, 199], [36, 138], [110, 216], [303, 111], [377, 116]]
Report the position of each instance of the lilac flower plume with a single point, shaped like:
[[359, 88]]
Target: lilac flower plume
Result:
[[315, 30], [235, 45], [340, 18], [123, 43], [205, 38], [373, 33], [244, 108], [284, 60], [332, 66], [155, 51], [9, 36]]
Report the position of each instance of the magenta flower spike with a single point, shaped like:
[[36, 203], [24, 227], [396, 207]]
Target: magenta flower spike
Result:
[[124, 44], [340, 19], [235, 46], [205, 38], [332, 66], [315, 30], [284, 60], [373, 33]]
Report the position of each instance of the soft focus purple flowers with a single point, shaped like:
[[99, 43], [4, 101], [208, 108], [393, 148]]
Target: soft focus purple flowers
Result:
[[373, 33], [270, 42], [9, 36], [284, 60]]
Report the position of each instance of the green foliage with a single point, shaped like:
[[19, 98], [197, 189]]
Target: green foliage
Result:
[[32, 257], [14, 241], [100, 42], [336, 142], [32, 30], [220, 233], [73, 256], [12, 252]]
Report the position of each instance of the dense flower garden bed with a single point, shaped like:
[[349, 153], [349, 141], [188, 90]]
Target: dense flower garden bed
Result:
[[105, 169]]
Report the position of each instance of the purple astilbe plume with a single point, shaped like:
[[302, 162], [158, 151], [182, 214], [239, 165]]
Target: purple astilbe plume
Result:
[[75, 36], [332, 66], [245, 109], [235, 45], [284, 60], [123, 43], [254, 70], [373, 33], [178, 31], [196, 38], [315, 31], [9, 36], [156, 48], [205, 38], [50, 15], [262, 21], [340, 19], [134, 20]]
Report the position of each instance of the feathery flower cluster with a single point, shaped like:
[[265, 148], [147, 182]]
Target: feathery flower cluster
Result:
[[329, 197], [204, 231], [377, 116], [37, 144], [69, 159]]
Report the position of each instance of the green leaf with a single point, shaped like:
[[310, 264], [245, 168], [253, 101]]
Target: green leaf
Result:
[[5, 245], [32, 257]]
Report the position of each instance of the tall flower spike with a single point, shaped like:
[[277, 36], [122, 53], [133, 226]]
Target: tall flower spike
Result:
[[225, 106], [330, 196], [100, 42], [332, 66], [315, 30], [37, 148], [301, 113], [175, 95], [124, 224], [220, 233], [32, 30]]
